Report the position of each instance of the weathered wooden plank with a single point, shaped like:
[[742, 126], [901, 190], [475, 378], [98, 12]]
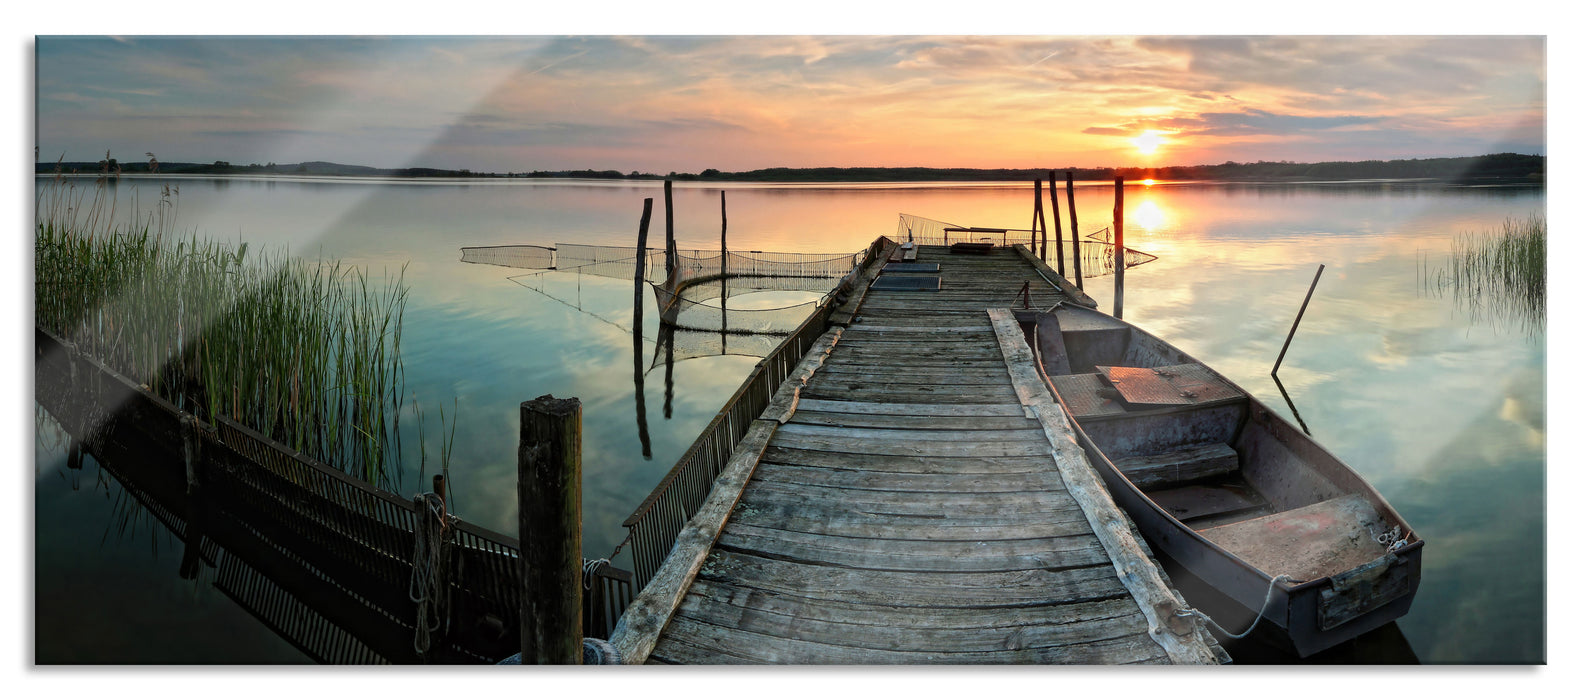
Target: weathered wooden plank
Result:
[[778, 650], [741, 599], [1184, 639], [1179, 467], [834, 520], [918, 447], [1205, 500], [975, 464], [947, 394], [913, 588], [898, 408], [861, 420], [915, 555], [861, 330], [918, 375], [870, 627], [892, 481], [899, 377], [900, 503], [640, 626], [885, 435]]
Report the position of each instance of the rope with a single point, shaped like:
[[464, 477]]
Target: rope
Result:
[[1267, 597], [590, 568], [431, 557]]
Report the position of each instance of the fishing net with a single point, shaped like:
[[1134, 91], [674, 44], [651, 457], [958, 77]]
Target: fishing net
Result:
[[619, 262], [1098, 255], [932, 232], [530, 257]]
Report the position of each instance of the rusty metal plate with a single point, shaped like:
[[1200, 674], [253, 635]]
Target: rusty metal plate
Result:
[[1085, 395], [918, 283], [911, 267], [1142, 386], [1174, 385]]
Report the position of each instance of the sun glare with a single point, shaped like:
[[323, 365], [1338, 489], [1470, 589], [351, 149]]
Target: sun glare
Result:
[[1149, 215], [1148, 142]]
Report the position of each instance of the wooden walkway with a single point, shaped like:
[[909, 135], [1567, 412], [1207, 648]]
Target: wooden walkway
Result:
[[906, 508]]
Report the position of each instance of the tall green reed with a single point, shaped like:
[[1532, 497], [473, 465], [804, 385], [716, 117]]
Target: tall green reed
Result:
[[1497, 276], [306, 352]]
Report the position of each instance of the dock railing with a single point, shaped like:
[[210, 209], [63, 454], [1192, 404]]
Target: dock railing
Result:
[[341, 531], [660, 517]]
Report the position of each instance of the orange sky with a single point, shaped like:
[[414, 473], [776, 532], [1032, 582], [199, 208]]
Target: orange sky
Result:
[[661, 104]]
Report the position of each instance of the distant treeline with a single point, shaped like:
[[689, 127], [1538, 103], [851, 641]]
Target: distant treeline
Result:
[[1499, 166]]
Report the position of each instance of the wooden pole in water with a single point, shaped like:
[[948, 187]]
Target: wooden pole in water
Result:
[[1076, 241], [670, 237], [724, 269], [1298, 320], [637, 329], [549, 505], [1038, 214], [1120, 244], [1054, 211]]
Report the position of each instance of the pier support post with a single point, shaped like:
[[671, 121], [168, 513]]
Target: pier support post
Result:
[[670, 238], [549, 503], [637, 328], [1076, 240], [1038, 216], [192, 457], [1120, 245], [1054, 211]]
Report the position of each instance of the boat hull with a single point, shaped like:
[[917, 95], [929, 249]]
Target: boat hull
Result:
[[1314, 614]]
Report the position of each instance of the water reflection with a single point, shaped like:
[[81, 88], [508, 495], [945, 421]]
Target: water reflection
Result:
[[1382, 373]]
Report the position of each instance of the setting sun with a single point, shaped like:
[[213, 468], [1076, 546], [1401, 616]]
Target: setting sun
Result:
[[1148, 142]]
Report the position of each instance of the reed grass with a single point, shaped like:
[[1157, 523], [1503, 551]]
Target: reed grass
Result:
[[306, 352], [1498, 276]]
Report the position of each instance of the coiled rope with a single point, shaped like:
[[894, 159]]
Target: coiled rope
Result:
[[1267, 597], [431, 563]]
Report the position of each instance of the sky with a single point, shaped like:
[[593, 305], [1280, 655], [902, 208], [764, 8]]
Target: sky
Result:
[[739, 102]]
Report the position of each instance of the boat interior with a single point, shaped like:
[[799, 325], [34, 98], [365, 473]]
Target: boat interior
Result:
[[1206, 453]]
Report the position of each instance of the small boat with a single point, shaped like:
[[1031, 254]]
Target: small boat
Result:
[[1225, 487]]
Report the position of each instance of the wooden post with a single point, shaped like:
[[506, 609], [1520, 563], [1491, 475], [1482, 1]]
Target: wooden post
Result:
[[192, 457], [1076, 240], [1038, 213], [1298, 320], [637, 329], [670, 237], [549, 503], [439, 487], [1120, 244], [1054, 210]]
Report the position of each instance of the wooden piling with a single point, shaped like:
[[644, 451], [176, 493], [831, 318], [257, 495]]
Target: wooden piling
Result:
[[1298, 320], [549, 503], [1120, 244], [637, 329], [1054, 210], [670, 237], [1076, 239], [1038, 215], [439, 487]]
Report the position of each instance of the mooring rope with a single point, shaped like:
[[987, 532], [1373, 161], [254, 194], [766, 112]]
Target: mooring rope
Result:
[[431, 554], [1267, 597]]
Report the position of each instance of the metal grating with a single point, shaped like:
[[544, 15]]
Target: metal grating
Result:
[[888, 283]]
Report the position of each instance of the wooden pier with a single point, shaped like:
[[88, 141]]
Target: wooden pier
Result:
[[912, 494]]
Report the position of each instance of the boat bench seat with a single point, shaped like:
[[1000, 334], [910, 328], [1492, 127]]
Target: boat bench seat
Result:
[[1183, 466], [1201, 502], [1311, 542]]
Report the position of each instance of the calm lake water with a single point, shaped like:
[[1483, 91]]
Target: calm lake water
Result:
[[1439, 408]]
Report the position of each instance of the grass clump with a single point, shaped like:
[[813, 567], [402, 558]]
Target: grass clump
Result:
[[1499, 276], [306, 352]]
